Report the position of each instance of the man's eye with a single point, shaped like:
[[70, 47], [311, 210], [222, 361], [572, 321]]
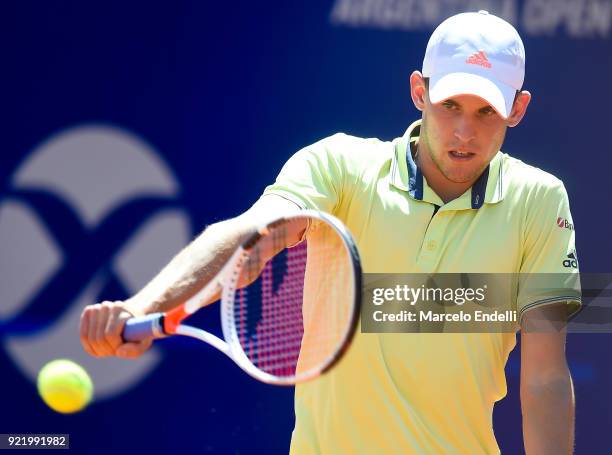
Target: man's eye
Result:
[[488, 111], [449, 105]]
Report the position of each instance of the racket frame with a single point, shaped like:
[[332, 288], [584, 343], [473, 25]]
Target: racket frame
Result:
[[229, 297]]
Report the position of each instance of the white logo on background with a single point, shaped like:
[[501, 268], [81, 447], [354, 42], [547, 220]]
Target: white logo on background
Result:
[[91, 208]]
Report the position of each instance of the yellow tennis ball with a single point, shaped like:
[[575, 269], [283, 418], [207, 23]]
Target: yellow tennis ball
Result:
[[65, 386]]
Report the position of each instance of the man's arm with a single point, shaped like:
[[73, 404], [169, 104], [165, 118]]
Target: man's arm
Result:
[[547, 393], [198, 263]]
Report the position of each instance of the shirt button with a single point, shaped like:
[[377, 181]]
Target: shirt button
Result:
[[432, 245]]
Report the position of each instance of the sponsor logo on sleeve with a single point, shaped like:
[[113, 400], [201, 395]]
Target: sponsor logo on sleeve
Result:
[[564, 223]]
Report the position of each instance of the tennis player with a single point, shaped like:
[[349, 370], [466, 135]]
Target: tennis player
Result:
[[441, 198]]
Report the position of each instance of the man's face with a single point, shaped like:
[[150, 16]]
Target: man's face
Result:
[[461, 136]]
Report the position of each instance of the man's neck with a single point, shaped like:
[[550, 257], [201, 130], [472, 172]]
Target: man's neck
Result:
[[444, 188]]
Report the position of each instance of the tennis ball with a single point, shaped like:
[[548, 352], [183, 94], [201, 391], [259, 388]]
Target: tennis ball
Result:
[[65, 386]]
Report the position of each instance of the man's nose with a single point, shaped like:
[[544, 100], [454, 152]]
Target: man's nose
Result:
[[465, 130]]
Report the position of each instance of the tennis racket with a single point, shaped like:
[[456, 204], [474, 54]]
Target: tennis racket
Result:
[[288, 312]]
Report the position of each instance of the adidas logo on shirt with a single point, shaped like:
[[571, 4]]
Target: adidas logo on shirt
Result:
[[571, 261]]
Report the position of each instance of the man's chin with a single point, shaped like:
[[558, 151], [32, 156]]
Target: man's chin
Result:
[[463, 174], [462, 177]]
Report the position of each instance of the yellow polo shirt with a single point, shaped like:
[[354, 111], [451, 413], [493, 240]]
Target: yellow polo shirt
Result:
[[424, 393]]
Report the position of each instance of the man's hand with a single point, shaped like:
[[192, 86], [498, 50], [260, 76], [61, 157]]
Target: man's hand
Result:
[[101, 327]]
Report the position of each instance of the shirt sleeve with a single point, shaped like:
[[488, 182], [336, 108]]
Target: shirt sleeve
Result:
[[312, 178], [549, 270]]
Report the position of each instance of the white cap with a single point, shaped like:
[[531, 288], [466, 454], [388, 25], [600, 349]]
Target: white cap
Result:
[[475, 54]]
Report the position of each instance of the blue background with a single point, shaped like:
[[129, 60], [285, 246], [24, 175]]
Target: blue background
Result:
[[226, 92]]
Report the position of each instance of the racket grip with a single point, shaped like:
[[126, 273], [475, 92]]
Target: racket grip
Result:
[[142, 327]]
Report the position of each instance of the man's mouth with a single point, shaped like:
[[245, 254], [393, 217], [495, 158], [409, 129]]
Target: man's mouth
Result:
[[460, 155]]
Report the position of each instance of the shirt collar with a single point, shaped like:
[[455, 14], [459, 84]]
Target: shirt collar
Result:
[[406, 176]]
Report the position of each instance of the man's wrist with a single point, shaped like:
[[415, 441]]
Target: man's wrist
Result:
[[136, 306]]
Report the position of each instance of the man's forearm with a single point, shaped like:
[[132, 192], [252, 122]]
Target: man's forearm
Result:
[[193, 267], [548, 416]]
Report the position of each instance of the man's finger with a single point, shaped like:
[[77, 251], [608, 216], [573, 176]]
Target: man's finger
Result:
[[83, 332], [91, 330], [114, 326], [104, 346], [133, 350]]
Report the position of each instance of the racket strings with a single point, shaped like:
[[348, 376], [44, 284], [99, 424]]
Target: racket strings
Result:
[[293, 317]]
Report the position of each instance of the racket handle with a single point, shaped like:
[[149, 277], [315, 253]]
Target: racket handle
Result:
[[142, 327]]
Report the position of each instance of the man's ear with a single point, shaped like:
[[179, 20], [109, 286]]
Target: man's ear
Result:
[[418, 91], [519, 108]]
